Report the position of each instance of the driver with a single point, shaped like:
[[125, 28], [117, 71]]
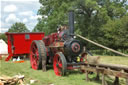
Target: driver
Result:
[[61, 28]]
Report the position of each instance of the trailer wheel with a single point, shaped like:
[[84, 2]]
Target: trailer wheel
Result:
[[37, 53], [59, 64]]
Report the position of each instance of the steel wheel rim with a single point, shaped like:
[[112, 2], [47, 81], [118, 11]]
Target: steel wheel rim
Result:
[[34, 56]]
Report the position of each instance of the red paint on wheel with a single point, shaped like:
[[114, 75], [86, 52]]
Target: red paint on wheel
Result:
[[57, 64], [34, 56]]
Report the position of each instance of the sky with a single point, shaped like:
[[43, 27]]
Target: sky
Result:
[[12, 11]]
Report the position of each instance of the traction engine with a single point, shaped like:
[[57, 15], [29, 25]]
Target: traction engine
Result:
[[60, 49]]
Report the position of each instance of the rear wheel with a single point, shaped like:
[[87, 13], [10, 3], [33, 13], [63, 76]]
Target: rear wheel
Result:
[[59, 64], [37, 53]]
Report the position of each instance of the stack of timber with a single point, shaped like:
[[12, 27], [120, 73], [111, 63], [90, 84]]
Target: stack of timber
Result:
[[18, 79], [106, 69]]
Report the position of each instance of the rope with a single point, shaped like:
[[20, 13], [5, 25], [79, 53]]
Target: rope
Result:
[[117, 52]]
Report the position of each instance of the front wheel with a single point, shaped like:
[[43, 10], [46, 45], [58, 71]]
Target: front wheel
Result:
[[59, 64]]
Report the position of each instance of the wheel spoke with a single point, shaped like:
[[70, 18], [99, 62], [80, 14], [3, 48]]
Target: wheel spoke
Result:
[[37, 54], [34, 56], [32, 53], [33, 50], [59, 64], [60, 71], [35, 62], [34, 47]]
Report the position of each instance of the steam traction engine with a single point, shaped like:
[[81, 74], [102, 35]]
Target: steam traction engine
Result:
[[60, 48]]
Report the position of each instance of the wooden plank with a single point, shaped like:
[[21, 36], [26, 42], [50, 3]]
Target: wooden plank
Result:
[[111, 66], [127, 81], [103, 80], [97, 76], [116, 73], [116, 82], [87, 78]]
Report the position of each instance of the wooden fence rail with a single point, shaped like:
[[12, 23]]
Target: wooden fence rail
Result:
[[106, 69]]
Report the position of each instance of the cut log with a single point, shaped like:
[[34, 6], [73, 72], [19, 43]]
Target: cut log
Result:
[[11, 80], [21, 82], [1, 83], [93, 59]]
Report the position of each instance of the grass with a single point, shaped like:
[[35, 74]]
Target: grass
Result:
[[47, 78], [114, 60]]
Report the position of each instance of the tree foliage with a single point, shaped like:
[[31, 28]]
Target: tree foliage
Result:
[[116, 33], [18, 27], [4, 37], [103, 21]]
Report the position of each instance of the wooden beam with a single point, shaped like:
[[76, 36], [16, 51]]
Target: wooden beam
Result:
[[103, 80], [127, 81], [87, 78], [116, 82], [117, 52], [116, 73], [97, 76], [111, 66]]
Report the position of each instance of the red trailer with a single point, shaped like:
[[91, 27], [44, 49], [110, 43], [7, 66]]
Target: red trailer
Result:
[[19, 43]]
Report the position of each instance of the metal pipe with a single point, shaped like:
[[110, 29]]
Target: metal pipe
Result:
[[71, 22]]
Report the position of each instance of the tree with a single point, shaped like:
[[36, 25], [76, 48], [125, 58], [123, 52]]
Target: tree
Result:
[[41, 27], [116, 33], [18, 27], [90, 17], [4, 37], [90, 14]]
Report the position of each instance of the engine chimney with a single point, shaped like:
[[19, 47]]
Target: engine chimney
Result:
[[71, 22]]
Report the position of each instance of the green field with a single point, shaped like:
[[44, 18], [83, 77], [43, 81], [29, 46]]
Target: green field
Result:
[[47, 78]]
